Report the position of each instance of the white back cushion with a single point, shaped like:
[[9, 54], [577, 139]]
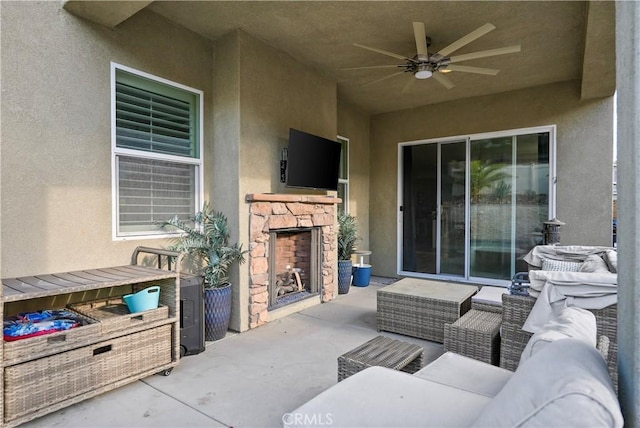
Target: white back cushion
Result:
[[594, 263], [565, 384], [572, 322]]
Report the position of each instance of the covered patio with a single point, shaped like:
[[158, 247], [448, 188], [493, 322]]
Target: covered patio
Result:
[[245, 380], [254, 377]]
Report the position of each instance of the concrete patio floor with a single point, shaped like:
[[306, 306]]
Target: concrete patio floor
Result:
[[245, 380]]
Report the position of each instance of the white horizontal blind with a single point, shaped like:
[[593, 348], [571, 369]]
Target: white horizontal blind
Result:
[[153, 122], [156, 125], [152, 191]]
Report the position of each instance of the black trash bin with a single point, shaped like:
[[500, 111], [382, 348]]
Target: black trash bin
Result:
[[191, 315]]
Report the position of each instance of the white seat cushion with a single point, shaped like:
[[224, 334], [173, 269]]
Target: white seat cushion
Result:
[[490, 295], [466, 373], [381, 397]]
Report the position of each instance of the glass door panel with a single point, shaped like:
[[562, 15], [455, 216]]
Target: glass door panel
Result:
[[532, 196], [419, 207], [490, 210], [452, 203], [509, 200]]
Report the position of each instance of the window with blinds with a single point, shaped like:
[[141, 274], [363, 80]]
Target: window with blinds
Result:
[[343, 179], [156, 152]]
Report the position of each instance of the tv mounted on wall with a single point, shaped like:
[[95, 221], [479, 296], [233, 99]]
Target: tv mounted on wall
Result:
[[312, 162]]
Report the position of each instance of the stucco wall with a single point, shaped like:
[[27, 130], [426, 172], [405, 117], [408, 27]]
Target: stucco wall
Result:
[[261, 93], [56, 153], [56, 136], [354, 125], [584, 156]]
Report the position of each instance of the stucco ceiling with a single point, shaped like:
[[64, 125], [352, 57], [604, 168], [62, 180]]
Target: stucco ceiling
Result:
[[560, 41]]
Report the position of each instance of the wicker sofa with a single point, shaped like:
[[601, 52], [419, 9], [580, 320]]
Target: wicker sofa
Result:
[[516, 309], [562, 381]]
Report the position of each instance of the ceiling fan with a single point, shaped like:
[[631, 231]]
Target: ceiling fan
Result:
[[424, 65]]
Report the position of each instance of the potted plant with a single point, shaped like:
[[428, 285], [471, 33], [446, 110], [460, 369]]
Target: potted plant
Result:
[[347, 236], [205, 238]]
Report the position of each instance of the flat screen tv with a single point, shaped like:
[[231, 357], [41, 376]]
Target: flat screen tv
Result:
[[312, 162]]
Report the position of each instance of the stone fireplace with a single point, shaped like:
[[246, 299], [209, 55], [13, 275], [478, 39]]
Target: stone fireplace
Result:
[[292, 254]]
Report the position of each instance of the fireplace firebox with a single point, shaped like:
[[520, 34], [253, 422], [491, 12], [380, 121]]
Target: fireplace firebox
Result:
[[294, 265]]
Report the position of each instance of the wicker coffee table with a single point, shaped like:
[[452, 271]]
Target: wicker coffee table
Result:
[[381, 351], [421, 308]]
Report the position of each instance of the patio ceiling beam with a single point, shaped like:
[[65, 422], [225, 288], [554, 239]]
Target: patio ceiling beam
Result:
[[107, 13], [599, 61]]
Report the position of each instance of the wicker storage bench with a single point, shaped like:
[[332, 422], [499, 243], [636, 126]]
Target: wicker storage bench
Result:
[[476, 335], [515, 312], [37, 384], [45, 373], [420, 308], [384, 352]]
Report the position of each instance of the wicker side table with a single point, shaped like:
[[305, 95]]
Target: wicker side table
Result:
[[381, 351], [476, 335]]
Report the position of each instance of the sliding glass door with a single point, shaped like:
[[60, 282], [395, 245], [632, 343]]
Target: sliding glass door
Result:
[[472, 208]]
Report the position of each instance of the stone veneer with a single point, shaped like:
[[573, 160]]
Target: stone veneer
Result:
[[270, 212]]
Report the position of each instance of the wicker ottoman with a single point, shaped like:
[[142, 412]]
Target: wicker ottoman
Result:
[[476, 335], [421, 308], [384, 352]]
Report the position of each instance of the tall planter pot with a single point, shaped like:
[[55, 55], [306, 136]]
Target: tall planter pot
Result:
[[345, 268], [217, 312]]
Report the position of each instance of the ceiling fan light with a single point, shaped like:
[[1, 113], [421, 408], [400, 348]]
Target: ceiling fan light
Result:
[[423, 74]]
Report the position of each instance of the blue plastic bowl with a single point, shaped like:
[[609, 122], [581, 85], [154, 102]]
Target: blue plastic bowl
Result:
[[143, 300]]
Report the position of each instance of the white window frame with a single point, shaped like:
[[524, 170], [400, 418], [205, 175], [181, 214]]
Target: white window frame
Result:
[[118, 235], [345, 181]]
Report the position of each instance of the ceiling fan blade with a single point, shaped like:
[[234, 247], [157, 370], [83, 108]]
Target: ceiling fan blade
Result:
[[383, 78], [421, 39], [475, 34], [408, 85], [476, 70], [383, 52], [370, 67], [443, 80], [484, 54]]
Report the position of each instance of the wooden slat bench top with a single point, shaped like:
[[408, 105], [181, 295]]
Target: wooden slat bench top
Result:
[[30, 287]]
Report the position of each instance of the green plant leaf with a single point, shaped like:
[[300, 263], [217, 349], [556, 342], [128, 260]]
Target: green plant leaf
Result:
[[206, 238], [347, 235]]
